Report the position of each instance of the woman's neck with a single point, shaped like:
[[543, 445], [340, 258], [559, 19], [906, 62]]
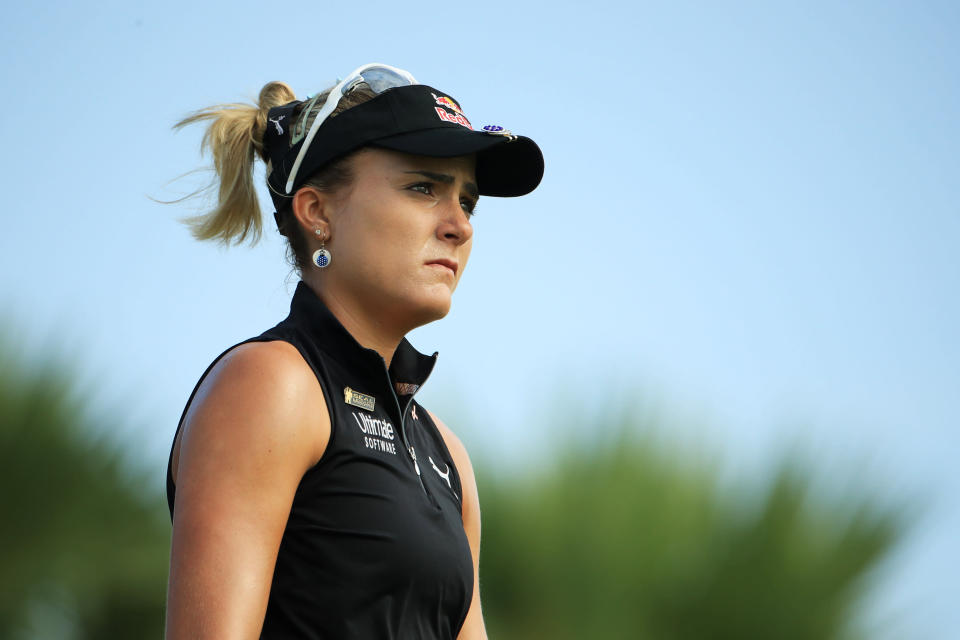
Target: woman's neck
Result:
[[367, 328]]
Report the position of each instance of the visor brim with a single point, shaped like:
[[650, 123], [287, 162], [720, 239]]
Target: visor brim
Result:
[[505, 167]]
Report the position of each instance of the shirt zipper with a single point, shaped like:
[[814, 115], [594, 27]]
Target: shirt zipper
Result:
[[413, 455], [403, 417]]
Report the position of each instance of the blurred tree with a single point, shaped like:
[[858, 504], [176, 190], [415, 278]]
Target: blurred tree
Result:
[[621, 539], [83, 538]]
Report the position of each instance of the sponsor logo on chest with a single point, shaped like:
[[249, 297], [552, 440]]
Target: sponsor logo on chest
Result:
[[378, 434], [358, 399]]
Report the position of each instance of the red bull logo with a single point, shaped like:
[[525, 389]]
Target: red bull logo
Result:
[[444, 101], [460, 119], [457, 115]]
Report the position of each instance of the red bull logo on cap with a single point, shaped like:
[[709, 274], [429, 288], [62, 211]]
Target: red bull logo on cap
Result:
[[449, 117], [448, 103], [457, 115]]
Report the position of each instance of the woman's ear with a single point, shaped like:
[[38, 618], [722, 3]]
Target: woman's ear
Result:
[[310, 207]]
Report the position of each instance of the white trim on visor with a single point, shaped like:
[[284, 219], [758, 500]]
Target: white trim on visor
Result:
[[379, 77]]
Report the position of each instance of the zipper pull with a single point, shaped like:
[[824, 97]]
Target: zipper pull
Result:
[[413, 454]]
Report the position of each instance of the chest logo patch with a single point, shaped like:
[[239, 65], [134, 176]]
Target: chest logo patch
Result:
[[358, 399], [378, 434]]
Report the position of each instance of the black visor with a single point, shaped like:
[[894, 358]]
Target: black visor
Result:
[[414, 119]]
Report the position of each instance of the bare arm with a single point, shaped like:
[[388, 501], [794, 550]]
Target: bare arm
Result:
[[257, 423], [473, 628]]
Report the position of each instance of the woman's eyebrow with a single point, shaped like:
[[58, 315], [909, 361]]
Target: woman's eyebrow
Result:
[[446, 178]]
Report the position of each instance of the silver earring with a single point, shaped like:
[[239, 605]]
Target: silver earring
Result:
[[321, 257]]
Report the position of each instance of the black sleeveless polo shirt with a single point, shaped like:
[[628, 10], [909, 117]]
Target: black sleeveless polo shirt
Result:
[[374, 546]]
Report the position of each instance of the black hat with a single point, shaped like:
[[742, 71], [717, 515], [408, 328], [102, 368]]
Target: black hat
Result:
[[413, 119]]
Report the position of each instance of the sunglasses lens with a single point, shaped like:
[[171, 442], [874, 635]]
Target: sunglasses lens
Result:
[[380, 79]]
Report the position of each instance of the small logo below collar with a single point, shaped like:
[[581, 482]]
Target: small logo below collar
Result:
[[405, 388], [358, 399]]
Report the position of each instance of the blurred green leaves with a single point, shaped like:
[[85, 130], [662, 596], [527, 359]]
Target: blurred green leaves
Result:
[[624, 538], [83, 542]]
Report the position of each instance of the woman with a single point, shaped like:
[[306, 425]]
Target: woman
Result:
[[311, 495]]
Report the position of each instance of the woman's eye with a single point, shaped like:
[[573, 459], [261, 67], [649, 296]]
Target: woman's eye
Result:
[[469, 205], [422, 187]]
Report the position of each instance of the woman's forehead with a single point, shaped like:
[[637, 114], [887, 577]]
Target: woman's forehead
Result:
[[398, 161]]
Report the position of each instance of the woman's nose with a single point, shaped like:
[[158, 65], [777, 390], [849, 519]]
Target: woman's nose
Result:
[[455, 225]]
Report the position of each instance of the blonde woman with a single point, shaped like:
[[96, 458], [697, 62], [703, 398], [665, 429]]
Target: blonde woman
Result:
[[311, 495]]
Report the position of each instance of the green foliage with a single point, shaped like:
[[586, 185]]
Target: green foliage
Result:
[[82, 537], [623, 539]]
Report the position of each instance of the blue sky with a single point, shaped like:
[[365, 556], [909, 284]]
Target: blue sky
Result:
[[749, 218]]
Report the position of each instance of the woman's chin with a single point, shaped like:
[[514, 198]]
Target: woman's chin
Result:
[[432, 307]]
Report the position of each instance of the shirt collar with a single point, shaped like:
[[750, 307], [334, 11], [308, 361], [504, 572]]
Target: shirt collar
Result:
[[409, 368]]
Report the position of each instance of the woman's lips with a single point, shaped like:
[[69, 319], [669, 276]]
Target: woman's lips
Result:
[[447, 264]]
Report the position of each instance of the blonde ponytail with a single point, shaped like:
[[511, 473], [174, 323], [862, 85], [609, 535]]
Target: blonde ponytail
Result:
[[234, 135]]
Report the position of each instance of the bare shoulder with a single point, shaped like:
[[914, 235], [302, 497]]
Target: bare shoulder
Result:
[[257, 423], [259, 396]]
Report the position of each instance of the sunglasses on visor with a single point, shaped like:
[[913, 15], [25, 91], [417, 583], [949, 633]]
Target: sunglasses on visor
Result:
[[379, 77]]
